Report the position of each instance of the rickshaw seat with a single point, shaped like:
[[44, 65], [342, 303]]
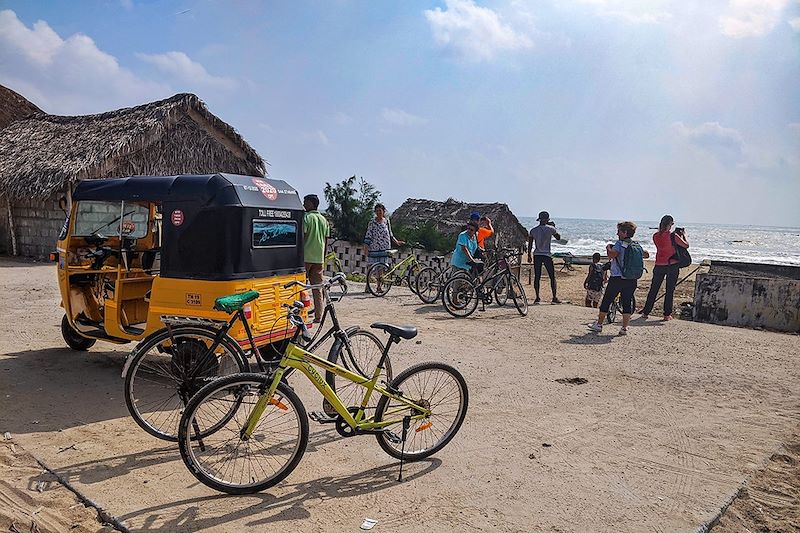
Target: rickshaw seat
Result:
[[233, 302]]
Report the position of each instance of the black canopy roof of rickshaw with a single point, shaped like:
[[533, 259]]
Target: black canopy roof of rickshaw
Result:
[[207, 189]]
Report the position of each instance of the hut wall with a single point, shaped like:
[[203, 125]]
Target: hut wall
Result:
[[354, 261], [36, 224]]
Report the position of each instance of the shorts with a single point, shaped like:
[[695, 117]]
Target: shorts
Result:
[[594, 296]]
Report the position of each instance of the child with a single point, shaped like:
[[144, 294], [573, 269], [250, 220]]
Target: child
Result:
[[595, 280]]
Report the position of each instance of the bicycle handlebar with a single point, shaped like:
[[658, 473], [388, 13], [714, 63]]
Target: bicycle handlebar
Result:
[[325, 285]]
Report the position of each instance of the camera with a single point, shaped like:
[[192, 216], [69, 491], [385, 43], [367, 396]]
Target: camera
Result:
[[680, 231]]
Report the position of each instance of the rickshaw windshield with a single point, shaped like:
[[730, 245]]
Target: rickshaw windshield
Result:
[[109, 219]]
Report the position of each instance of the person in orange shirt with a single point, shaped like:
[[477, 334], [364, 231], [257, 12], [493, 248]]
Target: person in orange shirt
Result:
[[485, 230]]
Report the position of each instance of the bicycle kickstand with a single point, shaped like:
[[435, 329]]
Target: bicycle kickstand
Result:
[[406, 424]]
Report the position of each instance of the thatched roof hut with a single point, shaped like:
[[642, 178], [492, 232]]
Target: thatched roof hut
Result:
[[14, 106], [450, 217], [42, 155]]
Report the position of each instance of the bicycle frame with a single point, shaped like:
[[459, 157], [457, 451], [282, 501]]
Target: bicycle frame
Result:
[[305, 361], [399, 269]]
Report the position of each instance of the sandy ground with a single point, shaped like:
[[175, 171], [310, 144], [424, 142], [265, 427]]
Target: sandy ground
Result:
[[672, 420]]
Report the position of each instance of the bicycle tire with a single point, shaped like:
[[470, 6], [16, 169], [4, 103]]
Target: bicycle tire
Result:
[[501, 286], [405, 382], [518, 295], [377, 282], [428, 284], [243, 386], [411, 276], [459, 297], [363, 362], [138, 380], [611, 316]]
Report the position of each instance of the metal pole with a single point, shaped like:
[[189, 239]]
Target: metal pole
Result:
[[681, 281]]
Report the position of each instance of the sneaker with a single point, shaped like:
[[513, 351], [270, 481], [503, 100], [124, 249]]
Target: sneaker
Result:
[[594, 326], [537, 301], [667, 317], [556, 301], [623, 331], [645, 316]]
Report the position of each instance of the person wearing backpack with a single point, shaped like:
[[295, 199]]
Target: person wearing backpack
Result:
[[668, 265], [595, 280], [627, 266]]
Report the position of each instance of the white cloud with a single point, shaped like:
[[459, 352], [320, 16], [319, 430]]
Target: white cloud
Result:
[[67, 76], [726, 144], [751, 18], [630, 11], [181, 68], [398, 117], [795, 23], [343, 119], [127, 4], [473, 33]]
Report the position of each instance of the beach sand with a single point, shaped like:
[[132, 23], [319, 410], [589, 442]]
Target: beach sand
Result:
[[671, 422]]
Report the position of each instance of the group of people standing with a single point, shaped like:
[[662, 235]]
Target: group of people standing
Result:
[[670, 247], [618, 278]]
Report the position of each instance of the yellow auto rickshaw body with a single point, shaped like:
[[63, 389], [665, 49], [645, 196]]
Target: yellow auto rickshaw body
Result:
[[133, 250]]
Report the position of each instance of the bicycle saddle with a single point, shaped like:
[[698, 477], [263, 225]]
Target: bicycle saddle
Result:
[[404, 332], [234, 302]]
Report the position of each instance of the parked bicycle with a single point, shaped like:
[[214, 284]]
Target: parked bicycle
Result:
[[167, 368], [381, 277], [246, 432], [431, 279], [461, 294]]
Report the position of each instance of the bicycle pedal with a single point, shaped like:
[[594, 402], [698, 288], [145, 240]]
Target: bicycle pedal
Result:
[[321, 417], [392, 437]]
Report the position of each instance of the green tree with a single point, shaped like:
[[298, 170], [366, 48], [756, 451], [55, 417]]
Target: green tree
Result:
[[350, 206]]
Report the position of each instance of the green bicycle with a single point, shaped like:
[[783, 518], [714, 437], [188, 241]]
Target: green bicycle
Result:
[[381, 277], [332, 261], [246, 432]]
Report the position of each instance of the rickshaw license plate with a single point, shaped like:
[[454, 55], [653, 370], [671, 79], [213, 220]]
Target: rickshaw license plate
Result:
[[193, 299]]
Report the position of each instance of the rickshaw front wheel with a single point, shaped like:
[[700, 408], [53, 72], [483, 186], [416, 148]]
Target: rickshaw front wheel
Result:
[[73, 339]]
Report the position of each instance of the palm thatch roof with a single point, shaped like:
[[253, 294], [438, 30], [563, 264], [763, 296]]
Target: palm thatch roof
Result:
[[178, 135], [14, 106]]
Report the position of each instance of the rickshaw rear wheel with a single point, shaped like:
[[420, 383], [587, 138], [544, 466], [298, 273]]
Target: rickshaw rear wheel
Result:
[[73, 339]]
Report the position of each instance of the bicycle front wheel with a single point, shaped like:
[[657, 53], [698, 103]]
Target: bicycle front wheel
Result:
[[460, 297], [224, 459], [359, 355], [517, 294], [435, 386], [611, 316], [428, 284], [501, 289], [168, 368], [378, 281]]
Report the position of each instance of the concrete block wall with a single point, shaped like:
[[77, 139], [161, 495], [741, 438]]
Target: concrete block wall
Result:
[[748, 301], [355, 261], [37, 224]]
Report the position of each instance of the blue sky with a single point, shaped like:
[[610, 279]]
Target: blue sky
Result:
[[587, 108]]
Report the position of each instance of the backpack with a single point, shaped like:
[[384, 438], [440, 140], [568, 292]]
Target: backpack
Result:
[[595, 281], [681, 254], [633, 266]]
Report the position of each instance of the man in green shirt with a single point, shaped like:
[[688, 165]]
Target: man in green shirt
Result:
[[315, 233]]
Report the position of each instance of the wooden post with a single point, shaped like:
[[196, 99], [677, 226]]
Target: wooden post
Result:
[[11, 227]]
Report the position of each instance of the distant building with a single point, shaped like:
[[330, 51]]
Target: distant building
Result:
[[42, 156], [450, 218]]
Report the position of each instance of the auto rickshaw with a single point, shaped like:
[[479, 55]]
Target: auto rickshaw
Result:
[[135, 249]]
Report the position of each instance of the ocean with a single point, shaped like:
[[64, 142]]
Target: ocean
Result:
[[755, 244]]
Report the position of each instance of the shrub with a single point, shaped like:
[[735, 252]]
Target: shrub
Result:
[[350, 206]]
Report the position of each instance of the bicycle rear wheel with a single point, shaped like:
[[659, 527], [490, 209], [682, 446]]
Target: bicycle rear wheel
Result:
[[411, 276], [360, 355], [501, 289], [611, 316], [168, 367], [378, 282], [460, 297], [428, 284], [517, 294], [435, 386], [226, 461]]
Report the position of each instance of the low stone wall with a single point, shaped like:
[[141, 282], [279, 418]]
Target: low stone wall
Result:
[[354, 261], [36, 226], [771, 303]]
